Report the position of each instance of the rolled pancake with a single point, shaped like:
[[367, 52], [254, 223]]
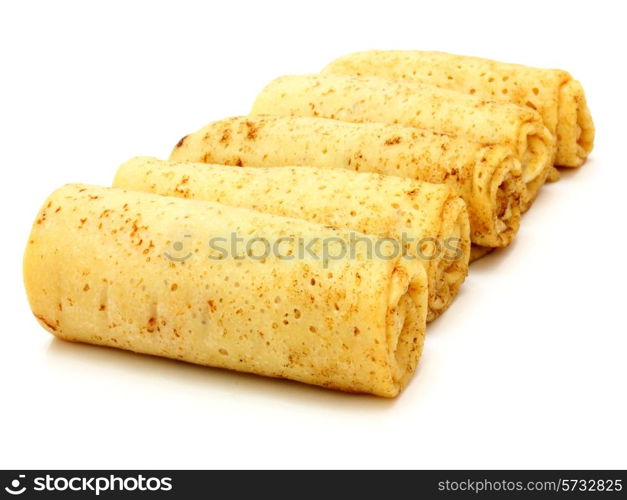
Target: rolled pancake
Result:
[[372, 99], [554, 93], [429, 219], [107, 266], [486, 177]]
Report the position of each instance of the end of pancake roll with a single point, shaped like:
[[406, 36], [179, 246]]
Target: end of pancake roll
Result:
[[405, 322], [34, 279], [498, 193], [575, 129], [450, 269], [537, 151]]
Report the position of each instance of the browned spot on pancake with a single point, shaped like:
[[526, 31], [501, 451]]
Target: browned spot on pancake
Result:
[[180, 143], [393, 140], [251, 134], [226, 137], [151, 324]]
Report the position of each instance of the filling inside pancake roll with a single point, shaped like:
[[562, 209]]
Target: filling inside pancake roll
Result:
[[413, 213], [159, 275]]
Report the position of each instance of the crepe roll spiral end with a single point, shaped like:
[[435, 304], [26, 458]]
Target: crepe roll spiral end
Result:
[[537, 152], [450, 269], [497, 198], [575, 130], [405, 322]]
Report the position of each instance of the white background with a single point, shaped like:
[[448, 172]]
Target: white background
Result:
[[527, 369]]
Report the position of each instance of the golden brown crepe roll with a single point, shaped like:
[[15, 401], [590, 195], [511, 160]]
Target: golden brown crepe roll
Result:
[[553, 93], [143, 272], [429, 219], [371, 99], [487, 177]]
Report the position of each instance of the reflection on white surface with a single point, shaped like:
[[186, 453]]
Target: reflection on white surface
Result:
[[141, 370]]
